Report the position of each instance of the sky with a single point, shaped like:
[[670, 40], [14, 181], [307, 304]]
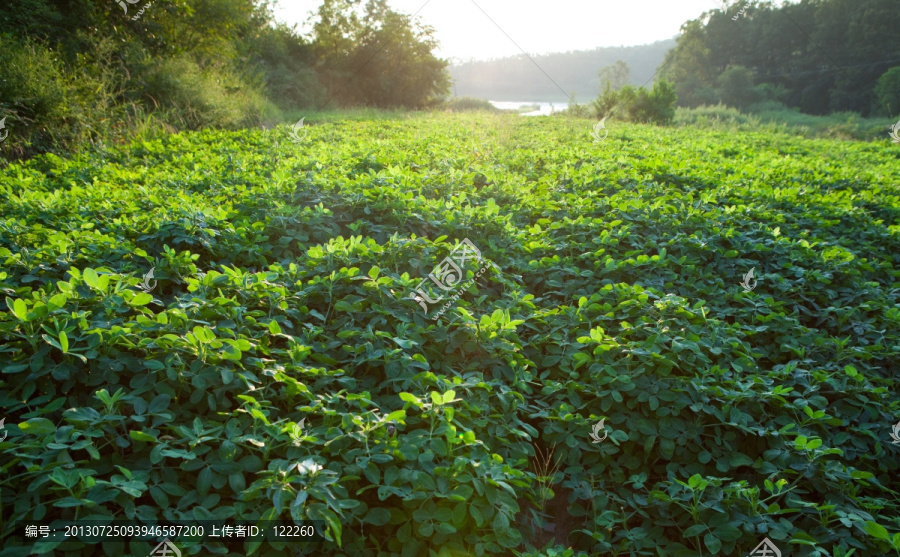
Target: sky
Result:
[[466, 32]]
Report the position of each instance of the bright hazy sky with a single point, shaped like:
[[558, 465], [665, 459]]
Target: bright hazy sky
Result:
[[465, 32]]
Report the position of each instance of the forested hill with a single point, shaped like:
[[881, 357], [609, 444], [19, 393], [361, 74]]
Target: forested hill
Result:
[[818, 56], [517, 78]]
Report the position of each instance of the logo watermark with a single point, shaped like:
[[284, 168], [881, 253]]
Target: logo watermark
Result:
[[145, 285], [448, 276], [125, 6], [595, 432], [747, 278], [296, 129], [132, 2], [895, 433], [296, 431], [743, 12], [601, 125], [165, 549], [309, 467], [894, 133], [5, 132], [140, 13], [3, 429], [766, 549]]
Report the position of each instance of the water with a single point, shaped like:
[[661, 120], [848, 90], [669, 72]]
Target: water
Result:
[[544, 108]]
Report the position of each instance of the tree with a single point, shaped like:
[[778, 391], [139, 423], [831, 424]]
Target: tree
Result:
[[736, 87], [614, 77], [831, 63], [888, 91], [688, 66], [378, 57]]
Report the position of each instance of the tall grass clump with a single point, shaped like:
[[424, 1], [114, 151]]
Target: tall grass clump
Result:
[[194, 97], [48, 106]]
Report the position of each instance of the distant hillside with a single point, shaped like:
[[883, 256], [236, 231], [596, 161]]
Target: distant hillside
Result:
[[516, 78]]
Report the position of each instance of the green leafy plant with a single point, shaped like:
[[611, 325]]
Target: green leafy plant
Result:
[[279, 370]]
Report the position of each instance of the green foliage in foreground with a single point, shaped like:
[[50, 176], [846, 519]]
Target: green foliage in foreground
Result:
[[284, 272]]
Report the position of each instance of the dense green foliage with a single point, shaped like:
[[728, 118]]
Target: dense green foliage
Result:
[[387, 58], [637, 104], [75, 72], [820, 56], [284, 272], [888, 90], [180, 65]]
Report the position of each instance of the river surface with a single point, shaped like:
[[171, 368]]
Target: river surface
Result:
[[544, 108]]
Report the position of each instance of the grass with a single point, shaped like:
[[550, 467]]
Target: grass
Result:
[[774, 117]]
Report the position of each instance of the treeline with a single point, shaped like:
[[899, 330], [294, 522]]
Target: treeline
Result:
[[517, 78], [821, 56], [81, 71]]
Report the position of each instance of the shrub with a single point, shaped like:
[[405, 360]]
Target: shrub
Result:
[[638, 104], [611, 100], [658, 105]]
